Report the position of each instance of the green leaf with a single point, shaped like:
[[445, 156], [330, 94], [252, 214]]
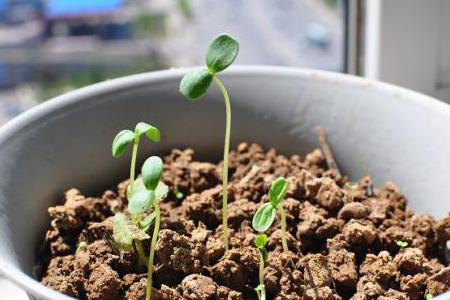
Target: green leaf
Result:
[[195, 84], [145, 224], [150, 131], [141, 201], [221, 53], [261, 241], [124, 232], [402, 244], [264, 217], [138, 186], [161, 191], [121, 142], [429, 297], [121, 234], [151, 172], [137, 233], [178, 194], [351, 185], [278, 190]]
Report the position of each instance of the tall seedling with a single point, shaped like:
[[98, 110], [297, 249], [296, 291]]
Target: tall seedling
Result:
[[220, 54]]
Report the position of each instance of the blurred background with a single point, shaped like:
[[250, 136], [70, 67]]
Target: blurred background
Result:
[[48, 47]]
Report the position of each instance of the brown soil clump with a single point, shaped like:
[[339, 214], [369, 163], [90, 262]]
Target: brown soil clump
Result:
[[343, 237]]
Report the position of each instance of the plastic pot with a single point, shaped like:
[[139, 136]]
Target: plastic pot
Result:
[[374, 128]]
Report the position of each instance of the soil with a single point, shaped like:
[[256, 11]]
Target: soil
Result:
[[343, 238]]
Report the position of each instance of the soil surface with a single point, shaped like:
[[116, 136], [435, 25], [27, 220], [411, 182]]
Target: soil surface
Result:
[[343, 237]]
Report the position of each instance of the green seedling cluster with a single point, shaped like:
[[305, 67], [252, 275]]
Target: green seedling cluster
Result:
[[402, 244], [220, 55], [260, 243], [127, 137], [143, 196], [265, 215]]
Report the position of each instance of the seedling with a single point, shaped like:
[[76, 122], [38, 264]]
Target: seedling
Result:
[[429, 297], [132, 232], [81, 247], [124, 139], [402, 244], [220, 54], [265, 215], [260, 243]]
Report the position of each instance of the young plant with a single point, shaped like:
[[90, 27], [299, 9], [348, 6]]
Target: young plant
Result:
[[220, 54], [260, 243], [124, 139], [130, 232], [81, 247], [151, 177], [402, 244], [265, 215]]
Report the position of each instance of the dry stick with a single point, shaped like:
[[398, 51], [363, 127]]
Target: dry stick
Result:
[[327, 150], [330, 275], [311, 281]]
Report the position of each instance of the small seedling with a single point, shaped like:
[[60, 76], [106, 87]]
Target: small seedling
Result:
[[124, 139], [351, 185], [178, 194], [81, 247], [151, 177], [220, 55], [260, 243], [402, 244], [265, 215], [429, 297], [132, 232]]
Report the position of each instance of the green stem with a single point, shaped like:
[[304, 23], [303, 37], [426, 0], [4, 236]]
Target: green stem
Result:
[[140, 250], [152, 251], [226, 150], [133, 165], [283, 228], [261, 274]]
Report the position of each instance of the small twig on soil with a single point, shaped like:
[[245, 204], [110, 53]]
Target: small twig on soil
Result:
[[369, 190], [107, 238], [327, 150], [330, 275], [311, 280]]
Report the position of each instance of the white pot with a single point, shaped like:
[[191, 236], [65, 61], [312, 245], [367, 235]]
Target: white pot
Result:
[[374, 128]]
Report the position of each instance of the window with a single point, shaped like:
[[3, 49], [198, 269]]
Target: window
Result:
[[48, 47]]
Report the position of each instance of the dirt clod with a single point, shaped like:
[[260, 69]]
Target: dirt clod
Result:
[[343, 237]]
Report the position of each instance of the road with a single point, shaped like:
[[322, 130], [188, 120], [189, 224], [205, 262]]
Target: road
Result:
[[270, 32]]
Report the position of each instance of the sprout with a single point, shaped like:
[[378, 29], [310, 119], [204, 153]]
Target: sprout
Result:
[[260, 243], [265, 214], [402, 244], [124, 138], [132, 232], [351, 185], [220, 54], [81, 247], [151, 176]]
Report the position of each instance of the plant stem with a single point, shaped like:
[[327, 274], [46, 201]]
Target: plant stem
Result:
[[133, 165], [152, 251], [226, 150], [283, 228], [261, 274], [140, 250]]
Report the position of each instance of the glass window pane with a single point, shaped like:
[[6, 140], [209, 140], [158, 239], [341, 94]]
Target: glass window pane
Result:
[[53, 46]]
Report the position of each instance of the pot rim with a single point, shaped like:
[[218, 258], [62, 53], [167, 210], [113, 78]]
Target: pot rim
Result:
[[28, 118]]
